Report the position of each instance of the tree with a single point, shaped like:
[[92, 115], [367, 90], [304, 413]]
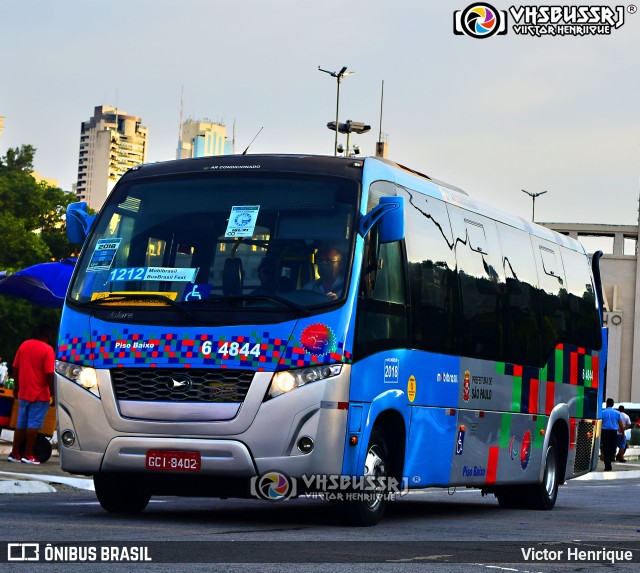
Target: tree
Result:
[[32, 231]]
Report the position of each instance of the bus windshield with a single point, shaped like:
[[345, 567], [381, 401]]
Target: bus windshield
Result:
[[221, 241]]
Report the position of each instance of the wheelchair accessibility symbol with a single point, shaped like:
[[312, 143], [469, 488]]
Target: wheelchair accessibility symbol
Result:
[[460, 441], [196, 292]]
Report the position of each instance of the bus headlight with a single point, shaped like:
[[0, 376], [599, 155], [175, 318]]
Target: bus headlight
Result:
[[81, 375], [287, 380]]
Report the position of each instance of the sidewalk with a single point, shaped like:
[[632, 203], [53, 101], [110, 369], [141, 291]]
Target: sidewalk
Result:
[[28, 478], [50, 471]]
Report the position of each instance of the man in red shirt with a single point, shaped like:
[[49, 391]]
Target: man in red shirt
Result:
[[33, 369]]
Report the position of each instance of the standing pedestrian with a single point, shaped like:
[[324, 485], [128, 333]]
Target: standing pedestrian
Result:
[[622, 438], [611, 424], [33, 369]]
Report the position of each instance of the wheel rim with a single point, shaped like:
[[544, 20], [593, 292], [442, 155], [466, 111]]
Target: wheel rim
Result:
[[374, 466], [550, 473]]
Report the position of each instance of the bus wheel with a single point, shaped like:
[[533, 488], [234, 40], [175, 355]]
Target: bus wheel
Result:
[[511, 497], [369, 510], [121, 493], [543, 495]]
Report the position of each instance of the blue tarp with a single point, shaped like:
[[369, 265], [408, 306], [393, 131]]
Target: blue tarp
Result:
[[44, 284]]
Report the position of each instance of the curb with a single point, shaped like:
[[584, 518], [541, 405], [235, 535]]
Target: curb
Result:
[[25, 486], [78, 483], [599, 475]]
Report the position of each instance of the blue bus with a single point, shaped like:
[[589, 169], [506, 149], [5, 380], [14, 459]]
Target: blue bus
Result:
[[283, 325]]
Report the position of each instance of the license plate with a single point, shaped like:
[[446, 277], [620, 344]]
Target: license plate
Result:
[[173, 461]]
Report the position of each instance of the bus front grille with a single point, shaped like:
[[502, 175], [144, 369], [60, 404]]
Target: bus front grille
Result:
[[192, 385], [584, 446]]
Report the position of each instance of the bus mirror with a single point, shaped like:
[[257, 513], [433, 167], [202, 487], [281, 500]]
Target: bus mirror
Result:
[[78, 222], [389, 214]]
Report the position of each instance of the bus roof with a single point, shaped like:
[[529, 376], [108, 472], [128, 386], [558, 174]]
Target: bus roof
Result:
[[374, 168], [378, 168]]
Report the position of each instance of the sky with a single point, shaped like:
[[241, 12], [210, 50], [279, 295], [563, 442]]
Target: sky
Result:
[[492, 116]]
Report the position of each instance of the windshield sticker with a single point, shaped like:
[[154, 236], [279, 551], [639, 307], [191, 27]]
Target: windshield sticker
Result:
[[142, 301], [153, 274], [242, 221], [103, 255], [196, 292]]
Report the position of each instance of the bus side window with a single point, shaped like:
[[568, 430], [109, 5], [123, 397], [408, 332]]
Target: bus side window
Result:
[[381, 319], [553, 295], [584, 322], [432, 274], [482, 285], [523, 297]]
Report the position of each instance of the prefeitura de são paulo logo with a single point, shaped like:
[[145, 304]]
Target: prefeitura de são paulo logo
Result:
[[480, 20]]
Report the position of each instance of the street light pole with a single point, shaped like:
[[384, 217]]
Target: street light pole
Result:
[[338, 75], [533, 198]]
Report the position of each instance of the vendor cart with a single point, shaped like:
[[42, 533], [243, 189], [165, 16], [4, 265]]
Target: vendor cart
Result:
[[9, 420]]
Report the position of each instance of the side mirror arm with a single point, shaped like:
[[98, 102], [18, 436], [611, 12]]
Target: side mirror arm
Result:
[[372, 217]]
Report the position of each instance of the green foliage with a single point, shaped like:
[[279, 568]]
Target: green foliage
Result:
[[19, 320], [32, 231]]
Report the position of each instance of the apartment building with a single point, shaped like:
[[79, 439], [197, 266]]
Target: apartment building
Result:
[[111, 143], [203, 139]]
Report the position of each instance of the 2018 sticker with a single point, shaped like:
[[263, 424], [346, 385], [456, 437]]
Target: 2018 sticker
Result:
[[391, 370], [103, 255]]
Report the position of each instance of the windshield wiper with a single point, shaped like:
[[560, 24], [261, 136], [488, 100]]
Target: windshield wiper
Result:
[[113, 297], [244, 297]]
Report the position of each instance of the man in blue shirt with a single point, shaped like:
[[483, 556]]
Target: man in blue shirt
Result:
[[611, 424]]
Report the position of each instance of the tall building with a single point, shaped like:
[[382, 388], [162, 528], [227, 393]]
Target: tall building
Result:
[[1, 124], [111, 142], [203, 139]]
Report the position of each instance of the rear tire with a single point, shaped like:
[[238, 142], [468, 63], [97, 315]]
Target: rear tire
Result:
[[121, 493], [543, 495], [536, 496], [377, 465], [512, 497]]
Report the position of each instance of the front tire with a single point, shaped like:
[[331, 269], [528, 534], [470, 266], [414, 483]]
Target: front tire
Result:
[[368, 512], [121, 493]]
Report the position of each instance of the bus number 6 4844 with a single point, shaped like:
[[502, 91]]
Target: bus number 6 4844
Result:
[[231, 349]]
